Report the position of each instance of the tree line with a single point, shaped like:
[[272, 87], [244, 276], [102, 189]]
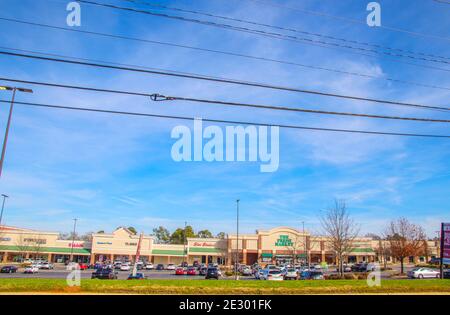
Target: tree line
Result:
[[400, 238], [162, 235]]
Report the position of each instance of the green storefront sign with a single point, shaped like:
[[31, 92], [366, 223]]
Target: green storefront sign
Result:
[[284, 240]]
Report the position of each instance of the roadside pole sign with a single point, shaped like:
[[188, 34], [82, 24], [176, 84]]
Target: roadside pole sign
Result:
[[445, 246]]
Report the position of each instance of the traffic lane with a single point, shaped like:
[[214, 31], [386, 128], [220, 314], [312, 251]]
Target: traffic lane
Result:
[[86, 274]]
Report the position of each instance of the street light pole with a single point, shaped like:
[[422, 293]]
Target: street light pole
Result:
[[3, 207], [184, 243], [73, 238], [237, 241], [304, 241], [8, 124]]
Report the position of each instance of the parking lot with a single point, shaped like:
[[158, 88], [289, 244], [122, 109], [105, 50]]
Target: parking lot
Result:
[[61, 273]]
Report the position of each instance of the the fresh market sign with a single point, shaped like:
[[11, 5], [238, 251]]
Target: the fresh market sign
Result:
[[284, 240]]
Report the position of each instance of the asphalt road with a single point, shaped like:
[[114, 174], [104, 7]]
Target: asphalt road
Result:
[[86, 274]]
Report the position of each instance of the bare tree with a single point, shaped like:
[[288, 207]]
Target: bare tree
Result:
[[22, 246], [383, 251], [294, 246], [405, 239], [341, 231]]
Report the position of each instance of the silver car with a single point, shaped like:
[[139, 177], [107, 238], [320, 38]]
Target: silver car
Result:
[[421, 273]]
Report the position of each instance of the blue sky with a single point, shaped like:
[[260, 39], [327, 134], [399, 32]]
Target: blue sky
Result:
[[114, 170]]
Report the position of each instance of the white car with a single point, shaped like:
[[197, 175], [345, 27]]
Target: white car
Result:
[[420, 273], [125, 267], [170, 267], [46, 265], [149, 266], [273, 274], [31, 269], [291, 273]]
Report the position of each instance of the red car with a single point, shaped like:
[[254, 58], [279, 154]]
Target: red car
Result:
[[191, 271], [180, 271], [83, 266]]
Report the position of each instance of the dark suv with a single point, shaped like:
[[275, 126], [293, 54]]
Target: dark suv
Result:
[[212, 273], [105, 273], [8, 269]]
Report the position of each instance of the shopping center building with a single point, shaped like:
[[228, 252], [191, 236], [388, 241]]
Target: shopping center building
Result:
[[281, 244]]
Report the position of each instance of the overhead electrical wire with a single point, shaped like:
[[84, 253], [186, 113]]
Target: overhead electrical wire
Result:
[[378, 46], [350, 20], [224, 80], [261, 32], [159, 97], [219, 52], [86, 109]]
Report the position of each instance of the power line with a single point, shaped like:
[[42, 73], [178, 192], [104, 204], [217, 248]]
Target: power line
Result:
[[261, 32], [351, 20], [219, 52], [156, 5], [219, 80], [158, 97], [228, 121]]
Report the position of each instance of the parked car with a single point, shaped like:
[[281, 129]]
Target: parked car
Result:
[[46, 265], [212, 273], [125, 267], [8, 269], [203, 271], [171, 267], [446, 274], [105, 273], [191, 271], [290, 274], [138, 276], [272, 274], [31, 269], [196, 264], [420, 273], [359, 267], [247, 271], [83, 266], [160, 267], [149, 266], [259, 274], [117, 265], [180, 271], [435, 261], [184, 264], [311, 275]]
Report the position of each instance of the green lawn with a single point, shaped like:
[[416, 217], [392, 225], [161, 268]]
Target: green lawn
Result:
[[224, 286]]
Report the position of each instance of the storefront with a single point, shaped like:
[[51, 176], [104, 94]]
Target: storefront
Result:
[[17, 244], [275, 246]]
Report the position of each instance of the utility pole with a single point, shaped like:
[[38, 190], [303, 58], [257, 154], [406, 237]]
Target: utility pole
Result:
[[237, 241], [304, 241], [8, 124], [73, 238], [3, 206], [184, 243]]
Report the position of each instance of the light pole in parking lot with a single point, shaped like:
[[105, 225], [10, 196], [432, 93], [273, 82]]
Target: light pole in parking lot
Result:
[[8, 124], [237, 241], [184, 243], [3, 207], [73, 238]]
